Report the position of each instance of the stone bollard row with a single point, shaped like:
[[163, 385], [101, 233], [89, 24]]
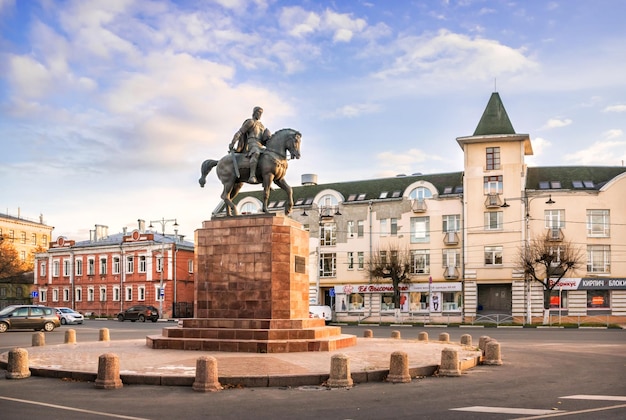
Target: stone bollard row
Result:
[[396, 335], [399, 368], [340, 376], [449, 363], [70, 336], [104, 334], [444, 337], [206, 375], [108, 372], [482, 341], [492, 353], [17, 367], [368, 333], [422, 336], [39, 339], [466, 340]]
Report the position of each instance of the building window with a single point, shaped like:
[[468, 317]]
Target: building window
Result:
[[190, 266], [66, 295], [90, 294], [116, 293], [493, 220], [350, 260], [360, 228], [598, 223], [43, 295], [130, 264], [33, 239], [55, 295], [555, 219], [103, 266], [91, 266], [451, 258], [328, 265], [350, 229], [420, 261], [79, 294], [79, 266], [11, 235], [67, 268], [142, 263], [55, 268], [598, 299], [249, 208], [159, 264], [129, 293], [451, 223], [23, 237], [420, 193], [598, 258], [492, 184], [493, 255], [393, 229], [22, 256], [384, 227], [42, 269], [44, 239], [141, 293], [420, 229], [493, 158], [361, 260], [116, 265], [103, 294], [328, 234]]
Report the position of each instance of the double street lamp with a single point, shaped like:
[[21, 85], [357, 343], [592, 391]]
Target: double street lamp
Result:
[[163, 223]]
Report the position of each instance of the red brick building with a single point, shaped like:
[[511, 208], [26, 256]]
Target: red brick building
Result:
[[109, 273]]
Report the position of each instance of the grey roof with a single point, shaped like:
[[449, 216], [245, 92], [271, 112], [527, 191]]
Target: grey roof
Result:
[[495, 120], [117, 239]]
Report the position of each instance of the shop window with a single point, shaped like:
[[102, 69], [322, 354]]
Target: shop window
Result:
[[418, 301], [352, 302], [386, 302], [558, 299], [452, 301], [598, 299]]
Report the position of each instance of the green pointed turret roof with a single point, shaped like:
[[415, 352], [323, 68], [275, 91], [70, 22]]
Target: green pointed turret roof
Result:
[[495, 119]]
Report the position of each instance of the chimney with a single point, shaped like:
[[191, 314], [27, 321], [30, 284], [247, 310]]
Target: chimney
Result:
[[124, 230], [309, 179], [142, 225], [102, 232]]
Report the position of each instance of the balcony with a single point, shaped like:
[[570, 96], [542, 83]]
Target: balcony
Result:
[[493, 201], [451, 273], [419, 205], [451, 238]]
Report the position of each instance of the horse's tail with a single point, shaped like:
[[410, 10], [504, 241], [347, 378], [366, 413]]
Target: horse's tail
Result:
[[205, 168]]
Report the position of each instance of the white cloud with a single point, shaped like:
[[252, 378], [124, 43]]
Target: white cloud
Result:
[[556, 123], [613, 134], [299, 22], [406, 162], [353, 110], [615, 108], [342, 25], [599, 153], [540, 146]]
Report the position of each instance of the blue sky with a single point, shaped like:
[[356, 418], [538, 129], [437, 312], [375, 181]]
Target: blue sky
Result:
[[108, 107]]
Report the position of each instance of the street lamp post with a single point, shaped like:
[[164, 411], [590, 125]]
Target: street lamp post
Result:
[[527, 200], [163, 223]]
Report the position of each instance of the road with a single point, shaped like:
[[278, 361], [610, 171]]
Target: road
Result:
[[566, 373]]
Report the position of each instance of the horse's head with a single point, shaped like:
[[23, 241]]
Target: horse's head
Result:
[[293, 145]]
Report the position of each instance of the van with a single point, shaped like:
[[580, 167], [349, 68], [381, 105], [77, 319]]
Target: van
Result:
[[321, 311]]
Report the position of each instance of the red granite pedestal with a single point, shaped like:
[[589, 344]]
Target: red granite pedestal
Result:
[[252, 291]]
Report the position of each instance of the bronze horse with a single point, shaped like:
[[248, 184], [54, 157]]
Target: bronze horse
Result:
[[272, 167]]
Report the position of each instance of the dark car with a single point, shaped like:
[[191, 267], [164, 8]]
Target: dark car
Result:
[[139, 313], [34, 317]]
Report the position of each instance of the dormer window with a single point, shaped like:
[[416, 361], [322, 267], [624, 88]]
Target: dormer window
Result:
[[420, 193]]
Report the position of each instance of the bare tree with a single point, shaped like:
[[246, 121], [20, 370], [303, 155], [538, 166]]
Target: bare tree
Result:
[[391, 262], [547, 261]]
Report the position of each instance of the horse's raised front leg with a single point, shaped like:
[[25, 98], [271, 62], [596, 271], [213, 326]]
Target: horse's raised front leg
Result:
[[285, 187]]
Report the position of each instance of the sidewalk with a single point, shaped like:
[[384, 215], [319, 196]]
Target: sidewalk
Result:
[[369, 362]]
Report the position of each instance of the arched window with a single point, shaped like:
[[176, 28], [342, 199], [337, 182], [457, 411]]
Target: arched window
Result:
[[327, 200], [420, 193], [249, 208]]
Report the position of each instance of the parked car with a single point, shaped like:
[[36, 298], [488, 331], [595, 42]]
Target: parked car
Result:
[[321, 311], [139, 313], [69, 316], [29, 317]]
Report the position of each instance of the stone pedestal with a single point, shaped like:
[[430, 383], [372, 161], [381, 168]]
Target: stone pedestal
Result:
[[252, 291]]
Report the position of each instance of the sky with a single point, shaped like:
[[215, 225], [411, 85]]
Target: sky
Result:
[[108, 107]]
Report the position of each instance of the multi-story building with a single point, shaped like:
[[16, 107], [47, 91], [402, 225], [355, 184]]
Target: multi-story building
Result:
[[464, 231], [109, 273], [26, 235]]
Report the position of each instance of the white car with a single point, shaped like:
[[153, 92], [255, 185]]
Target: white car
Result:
[[69, 316]]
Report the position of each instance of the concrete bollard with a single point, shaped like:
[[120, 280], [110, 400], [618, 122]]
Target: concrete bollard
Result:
[[466, 340], [104, 334], [108, 372], [206, 375], [423, 336], [395, 335], [444, 337], [399, 368], [481, 342], [340, 376], [449, 363], [492, 353], [70, 336], [39, 339], [17, 367], [368, 333]]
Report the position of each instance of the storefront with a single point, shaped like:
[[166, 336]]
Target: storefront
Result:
[[589, 296]]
